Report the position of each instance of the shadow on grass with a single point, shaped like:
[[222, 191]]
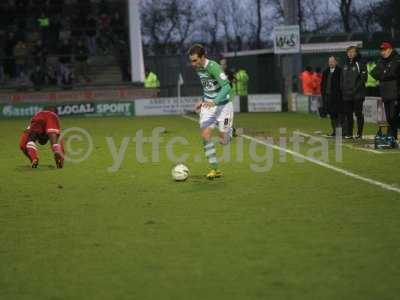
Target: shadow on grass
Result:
[[28, 168]]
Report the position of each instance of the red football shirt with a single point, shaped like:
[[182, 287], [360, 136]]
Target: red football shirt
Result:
[[44, 122]]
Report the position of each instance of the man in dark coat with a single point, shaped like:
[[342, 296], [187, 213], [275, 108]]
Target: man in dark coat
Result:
[[331, 94], [354, 76], [387, 71]]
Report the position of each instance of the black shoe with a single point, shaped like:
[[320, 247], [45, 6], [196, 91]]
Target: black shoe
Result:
[[358, 137], [348, 137]]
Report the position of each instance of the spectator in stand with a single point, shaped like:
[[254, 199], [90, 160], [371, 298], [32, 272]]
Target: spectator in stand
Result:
[[104, 32], [20, 54], [78, 26], [81, 64], [9, 46], [121, 53], [91, 33], [54, 31], [39, 5], [44, 25], [85, 7], [22, 6], [56, 6], [306, 78], [2, 60], [103, 7], [8, 17], [33, 37], [65, 33], [117, 24], [51, 75], [64, 75], [38, 78], [39, 54]]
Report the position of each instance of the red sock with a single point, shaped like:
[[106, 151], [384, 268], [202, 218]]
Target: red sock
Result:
[[31, 149]]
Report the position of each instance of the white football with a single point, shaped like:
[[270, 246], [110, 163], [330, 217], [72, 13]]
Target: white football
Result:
[[180, 172]]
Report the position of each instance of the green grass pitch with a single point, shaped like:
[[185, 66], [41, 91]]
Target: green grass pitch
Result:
[[298, 231]]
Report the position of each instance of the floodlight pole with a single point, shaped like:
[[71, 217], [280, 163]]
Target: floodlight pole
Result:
[[291, 63], [135, 40]]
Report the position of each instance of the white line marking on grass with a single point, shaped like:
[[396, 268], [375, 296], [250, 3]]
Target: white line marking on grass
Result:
[[382, 185], [342, 144], [190, 118], [325, 165]]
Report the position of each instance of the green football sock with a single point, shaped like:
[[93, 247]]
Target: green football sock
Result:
[[211, 154]]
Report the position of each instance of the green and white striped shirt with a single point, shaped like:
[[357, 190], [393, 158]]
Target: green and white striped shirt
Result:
[[215, 83]]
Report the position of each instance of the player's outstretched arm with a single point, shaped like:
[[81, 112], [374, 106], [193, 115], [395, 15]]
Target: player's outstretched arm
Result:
[[56, 146]]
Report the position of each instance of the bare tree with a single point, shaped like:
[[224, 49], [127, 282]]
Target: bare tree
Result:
[[345, 13], [317, 17], [259, 24], [167, 24]]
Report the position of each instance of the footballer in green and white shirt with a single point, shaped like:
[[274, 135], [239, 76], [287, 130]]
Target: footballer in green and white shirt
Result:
[[216, 109]]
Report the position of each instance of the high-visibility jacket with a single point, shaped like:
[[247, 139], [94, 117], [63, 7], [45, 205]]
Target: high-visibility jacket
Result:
[[44, 22], [308, 83], [371, 81], [317, 78], [240, 85], [151, 81]]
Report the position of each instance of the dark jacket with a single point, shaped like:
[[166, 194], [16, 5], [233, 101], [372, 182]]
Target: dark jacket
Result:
[[354, 77], [387, 71], [331, 95], [65, 52], [81, 53]]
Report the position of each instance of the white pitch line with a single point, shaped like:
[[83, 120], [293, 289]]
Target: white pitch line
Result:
[[382, 185], [342, 144], [190, 118], [328, 166]]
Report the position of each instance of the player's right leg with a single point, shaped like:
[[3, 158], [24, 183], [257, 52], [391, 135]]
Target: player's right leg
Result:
[[29, 148], [207, 124]]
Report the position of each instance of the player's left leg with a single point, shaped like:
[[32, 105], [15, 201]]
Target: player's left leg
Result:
[[225, 122], [207, 124]]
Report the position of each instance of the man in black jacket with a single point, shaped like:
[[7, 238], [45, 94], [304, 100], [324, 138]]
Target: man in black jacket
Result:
[[331, 94], [387, 71], [354, 76]]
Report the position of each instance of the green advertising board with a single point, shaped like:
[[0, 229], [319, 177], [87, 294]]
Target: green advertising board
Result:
[[102, 109]]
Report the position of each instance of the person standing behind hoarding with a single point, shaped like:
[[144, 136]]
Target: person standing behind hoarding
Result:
[[354, 77], [331, 95], [387, 72]]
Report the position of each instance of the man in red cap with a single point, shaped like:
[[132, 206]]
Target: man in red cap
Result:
[[387, 71]]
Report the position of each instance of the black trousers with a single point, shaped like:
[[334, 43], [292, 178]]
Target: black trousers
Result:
[[372, 91], [392, 111], [336, 121], [244, 106], [350, 108], [334, 107]]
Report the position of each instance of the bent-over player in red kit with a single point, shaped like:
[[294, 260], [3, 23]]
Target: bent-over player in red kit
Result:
[[44, 126]]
